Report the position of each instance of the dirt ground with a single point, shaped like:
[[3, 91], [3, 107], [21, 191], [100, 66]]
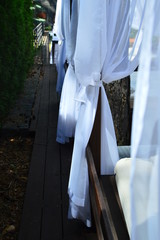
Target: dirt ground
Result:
[[15, 154], [16, 143]]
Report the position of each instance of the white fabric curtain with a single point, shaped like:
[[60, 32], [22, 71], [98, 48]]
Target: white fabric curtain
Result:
[[68, 108], [62, 26], [88, 64], [101, 54], [145, 188], [58, 20]]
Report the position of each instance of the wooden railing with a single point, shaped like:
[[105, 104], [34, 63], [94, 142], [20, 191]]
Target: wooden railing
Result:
[[38, 33], [106, 206]]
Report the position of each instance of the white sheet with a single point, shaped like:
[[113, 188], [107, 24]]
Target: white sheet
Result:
[[69, 108], [146, 130], [101, 54]]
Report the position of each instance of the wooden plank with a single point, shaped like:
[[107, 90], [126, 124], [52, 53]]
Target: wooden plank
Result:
[[35, 110], [44, 101], [33, 205], [51, 137], [105, 217], [110, 193], [52, 210], [53, 100], [41, 136], [95, 139], [72, 228], [30, 228], [106, 209], [42, 123], [66, 156], [106, 204], [96, 213], [45, 213], [42, 213], [73, 237]]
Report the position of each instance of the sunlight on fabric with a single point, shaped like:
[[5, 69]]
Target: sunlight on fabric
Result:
[[145, 191], [101, 43], [137, 22]]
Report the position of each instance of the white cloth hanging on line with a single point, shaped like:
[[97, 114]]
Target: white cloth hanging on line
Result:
[[58, 20], [62, 26], [145, 188], [61, 45], [68, 108], [101, 55]]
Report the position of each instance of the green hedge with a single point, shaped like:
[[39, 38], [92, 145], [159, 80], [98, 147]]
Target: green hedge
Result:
[[16, 49]]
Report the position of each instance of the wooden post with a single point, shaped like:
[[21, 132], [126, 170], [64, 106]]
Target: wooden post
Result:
[[95, 139], [106, 206]]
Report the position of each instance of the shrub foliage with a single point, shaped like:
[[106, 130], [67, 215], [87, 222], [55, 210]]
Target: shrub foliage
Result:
[[16, 49]]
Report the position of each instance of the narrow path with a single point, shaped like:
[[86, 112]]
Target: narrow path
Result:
[[46, 200]]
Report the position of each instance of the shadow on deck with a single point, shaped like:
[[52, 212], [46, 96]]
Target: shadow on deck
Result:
[[46, 200]]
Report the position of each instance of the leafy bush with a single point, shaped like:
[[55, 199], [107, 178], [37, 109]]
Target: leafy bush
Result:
[[48, 28], [16, 49]]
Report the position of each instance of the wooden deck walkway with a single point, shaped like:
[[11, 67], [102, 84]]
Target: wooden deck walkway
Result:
[[46, 201]]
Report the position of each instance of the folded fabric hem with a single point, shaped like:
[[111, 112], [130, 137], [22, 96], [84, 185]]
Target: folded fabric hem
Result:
[[74, 212], [76, 200]]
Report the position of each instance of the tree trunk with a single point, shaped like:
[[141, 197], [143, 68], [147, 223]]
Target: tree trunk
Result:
[[118, 94]]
